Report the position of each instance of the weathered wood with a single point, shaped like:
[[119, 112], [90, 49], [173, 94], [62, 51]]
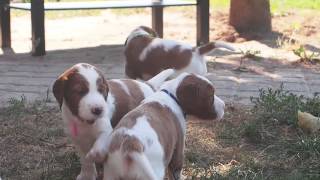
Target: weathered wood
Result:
[[38, 7], [38, 28], [202, 22], [157, 20], [53, 6], [5, 26]]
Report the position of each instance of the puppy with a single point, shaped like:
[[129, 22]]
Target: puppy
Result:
[[91, 105], [150, 139], [147, 55]]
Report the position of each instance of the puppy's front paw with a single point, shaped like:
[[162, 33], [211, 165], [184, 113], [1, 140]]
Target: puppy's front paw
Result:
[[96, 155], [82, 176]]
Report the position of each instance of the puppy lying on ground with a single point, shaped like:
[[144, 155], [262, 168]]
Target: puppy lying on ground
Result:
[[150, 139], [147, 55], [91, 105]]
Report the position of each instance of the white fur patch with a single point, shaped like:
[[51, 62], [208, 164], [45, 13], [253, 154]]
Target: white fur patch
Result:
[[145, 89], [167, 101], [148, 164], [135, 33], [197, 65], [93, 98], [153, 151], [219, 106], [160, 78]]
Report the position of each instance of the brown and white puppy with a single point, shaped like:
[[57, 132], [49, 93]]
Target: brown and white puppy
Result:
[[147, 55], [150, 139], [92, 105]]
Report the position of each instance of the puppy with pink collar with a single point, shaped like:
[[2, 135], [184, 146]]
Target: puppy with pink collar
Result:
[[92, 105]]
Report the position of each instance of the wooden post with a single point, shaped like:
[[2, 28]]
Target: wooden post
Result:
[[157, 20], [38, 29], [203, 21], [5, 29]]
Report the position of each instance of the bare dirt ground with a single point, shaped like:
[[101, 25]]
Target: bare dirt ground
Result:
[[34, 146]]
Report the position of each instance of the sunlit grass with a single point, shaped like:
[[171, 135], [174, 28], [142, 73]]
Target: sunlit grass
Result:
[[276, 7]]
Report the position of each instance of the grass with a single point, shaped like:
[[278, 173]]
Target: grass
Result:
[[277, 5], [33, 145], [308, 57], [259, 142], [262, 142]]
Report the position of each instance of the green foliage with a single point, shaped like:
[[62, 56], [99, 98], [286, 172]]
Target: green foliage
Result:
[[305, 145], [252, 132], [252, 54], [305, 56], [277, 105], [282, 106], [16, 106], [281, 5], [276, 5]]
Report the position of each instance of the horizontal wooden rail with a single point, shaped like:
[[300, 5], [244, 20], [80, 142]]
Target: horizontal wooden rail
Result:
[[38, 8]]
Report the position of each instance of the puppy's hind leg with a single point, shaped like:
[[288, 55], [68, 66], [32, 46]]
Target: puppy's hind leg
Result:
[[88, 170], [176, 163]]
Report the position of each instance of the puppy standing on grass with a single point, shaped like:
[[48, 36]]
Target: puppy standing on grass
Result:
[[91, 105], [147, 55], [150, 139]]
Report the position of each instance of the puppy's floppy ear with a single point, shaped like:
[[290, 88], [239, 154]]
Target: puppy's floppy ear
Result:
[[187, 94], [196, 97], [58, 86], [58, 90]]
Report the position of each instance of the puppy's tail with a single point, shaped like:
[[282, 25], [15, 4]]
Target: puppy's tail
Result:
[[160, 78], [142, 164], [207, 48]]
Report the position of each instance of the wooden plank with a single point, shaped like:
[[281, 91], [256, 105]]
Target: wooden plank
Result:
[[105, 4], [157, 20], [203, 22], [38, 29], [5, 26]]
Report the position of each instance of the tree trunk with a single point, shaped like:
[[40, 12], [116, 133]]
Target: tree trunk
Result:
[[250, 15]]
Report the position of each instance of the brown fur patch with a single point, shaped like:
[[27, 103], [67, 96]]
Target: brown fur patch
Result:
[[124, 102], [70, 86], [58, 86], [156, 60], [206, 48], [196, 96], [102, 84]]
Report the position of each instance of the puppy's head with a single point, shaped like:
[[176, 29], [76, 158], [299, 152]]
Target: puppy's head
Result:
[[141, 31], [196, 96], [83, 90]]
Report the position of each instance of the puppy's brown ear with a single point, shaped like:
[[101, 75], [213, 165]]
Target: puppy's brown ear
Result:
[[58, 86], [58, 90], [187, 94], [196, 97]]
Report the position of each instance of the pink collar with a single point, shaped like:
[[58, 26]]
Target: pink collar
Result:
[[73, 128]]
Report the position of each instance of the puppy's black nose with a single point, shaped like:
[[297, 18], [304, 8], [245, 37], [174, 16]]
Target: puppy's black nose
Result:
[[96, 111]]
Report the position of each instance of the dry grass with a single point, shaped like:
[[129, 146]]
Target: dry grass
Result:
[[33, 144], [35, 147]]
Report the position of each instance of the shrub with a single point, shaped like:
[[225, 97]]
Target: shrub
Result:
[[277, 105]]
